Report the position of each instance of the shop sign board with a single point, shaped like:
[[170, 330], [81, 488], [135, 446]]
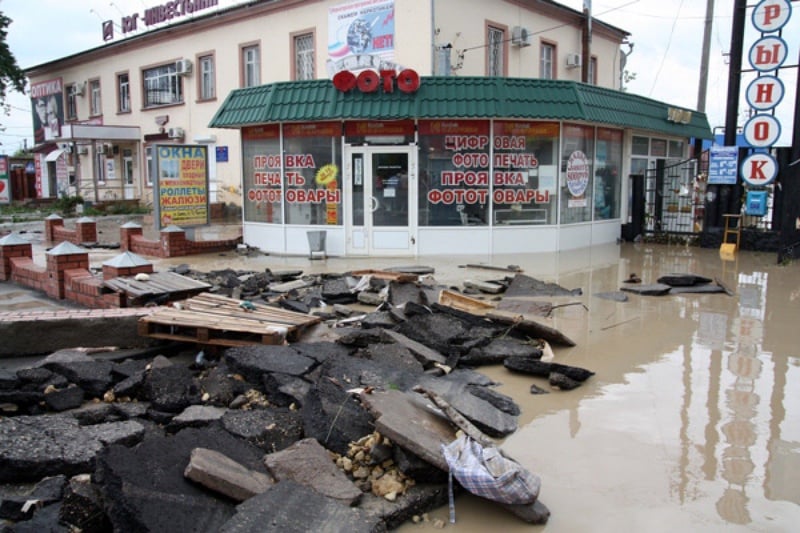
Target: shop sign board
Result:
[[181, 185]]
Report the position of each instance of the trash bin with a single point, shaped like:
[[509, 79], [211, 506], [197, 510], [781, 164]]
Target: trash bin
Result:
[[316, 244]]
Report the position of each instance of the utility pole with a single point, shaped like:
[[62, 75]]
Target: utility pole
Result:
[[586, 52], [703, 85]]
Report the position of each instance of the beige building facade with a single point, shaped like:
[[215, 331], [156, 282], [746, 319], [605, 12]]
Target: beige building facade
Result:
[[105, 110]]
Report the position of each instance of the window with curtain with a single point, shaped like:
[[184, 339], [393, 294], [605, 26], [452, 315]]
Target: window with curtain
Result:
[[495, 46], [547, 54], [251, 66], [123, 93], [162, 86], [208, 90], [304, 56], [95, 103]]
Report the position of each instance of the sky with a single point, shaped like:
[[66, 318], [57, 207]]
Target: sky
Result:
[[667, 37]]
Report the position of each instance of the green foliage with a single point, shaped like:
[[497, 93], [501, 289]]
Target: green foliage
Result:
[[66, 205], [11, 76]]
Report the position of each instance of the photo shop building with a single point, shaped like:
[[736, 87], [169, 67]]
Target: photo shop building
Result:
[[391, 163], [503, 126]]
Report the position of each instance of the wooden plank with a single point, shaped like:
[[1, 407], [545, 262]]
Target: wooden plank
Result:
[[387, 275], [463, 302]]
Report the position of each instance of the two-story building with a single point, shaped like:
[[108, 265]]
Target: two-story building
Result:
[[406, 127]]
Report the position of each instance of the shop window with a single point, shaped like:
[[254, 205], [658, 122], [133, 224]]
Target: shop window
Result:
[[524, 171], [251, 66], [607, 184], [454, 172], [577, 155], [658, 147], [304, 56], [676, 149], [72, 101], [302, 187], [162, 86], [95, 102], [495, 48], [547, 65], [640, 146], [123, 93], [207, 78]]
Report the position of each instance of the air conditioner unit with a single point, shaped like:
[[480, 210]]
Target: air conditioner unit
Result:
[[183, 67], [520, 36], [83, 150], [79, 89], [66, 147], [175, 133], [101, 149], [573, 60]]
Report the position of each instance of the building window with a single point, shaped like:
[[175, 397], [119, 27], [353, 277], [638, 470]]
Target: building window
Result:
[[162, 86], [72, 102], [547, 66], [95, 103], [593, 71], [251, 66], [208, 86], [124, 93], [496, 42], [304, 56], [100, 163]]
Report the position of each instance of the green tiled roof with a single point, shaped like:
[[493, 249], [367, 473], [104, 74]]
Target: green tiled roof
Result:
[[454, 97]]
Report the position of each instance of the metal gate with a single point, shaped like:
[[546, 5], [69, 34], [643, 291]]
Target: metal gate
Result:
[[674, 198]]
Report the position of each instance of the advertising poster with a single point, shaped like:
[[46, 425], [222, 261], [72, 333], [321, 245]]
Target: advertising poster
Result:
[[181, 185], [361, 36], [5, 185], [47, 102]]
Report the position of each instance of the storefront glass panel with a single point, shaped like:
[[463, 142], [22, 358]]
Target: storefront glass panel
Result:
[[525, 172], [454, 172], [312, 174], [577, 156], [606, 176], [261, 174]]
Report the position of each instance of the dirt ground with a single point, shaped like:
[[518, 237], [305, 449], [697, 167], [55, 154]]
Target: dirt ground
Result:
[[692, 421]]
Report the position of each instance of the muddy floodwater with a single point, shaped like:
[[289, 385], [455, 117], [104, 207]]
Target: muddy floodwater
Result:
[[692, 421]]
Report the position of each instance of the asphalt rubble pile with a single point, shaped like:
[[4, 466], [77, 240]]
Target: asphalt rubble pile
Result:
[[292, 437]]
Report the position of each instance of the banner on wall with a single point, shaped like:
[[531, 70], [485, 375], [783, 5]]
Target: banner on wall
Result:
[[361, 36], [47, 103], [5, 185], [181, 185]]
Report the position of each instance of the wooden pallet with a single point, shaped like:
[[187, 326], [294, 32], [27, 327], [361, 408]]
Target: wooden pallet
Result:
[[165, 285], [218, 320]]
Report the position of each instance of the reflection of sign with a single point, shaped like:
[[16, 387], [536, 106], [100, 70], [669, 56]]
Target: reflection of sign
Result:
[[723, 165], [759, 169], [577, 173], [182, 185]]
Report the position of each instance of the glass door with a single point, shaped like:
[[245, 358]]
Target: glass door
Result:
[[382, 217]]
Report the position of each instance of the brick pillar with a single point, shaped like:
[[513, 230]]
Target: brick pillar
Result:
[[50, 223], [173, 241], [86, 230], [126, 264], [12, 245], [65, 256], [126, 231]]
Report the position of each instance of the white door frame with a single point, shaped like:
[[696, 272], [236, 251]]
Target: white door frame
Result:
[[388, 226]]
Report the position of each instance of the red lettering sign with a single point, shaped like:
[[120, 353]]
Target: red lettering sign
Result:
[[369, 81]]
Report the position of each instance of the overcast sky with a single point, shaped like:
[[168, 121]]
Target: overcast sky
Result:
[[667, 37]]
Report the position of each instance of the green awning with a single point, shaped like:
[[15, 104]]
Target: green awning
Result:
[[453, 97]]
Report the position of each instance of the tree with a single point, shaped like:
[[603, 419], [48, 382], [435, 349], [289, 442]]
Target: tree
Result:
[[11, 76]]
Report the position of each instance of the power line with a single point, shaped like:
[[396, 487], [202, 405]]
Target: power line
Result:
[[666, 50]]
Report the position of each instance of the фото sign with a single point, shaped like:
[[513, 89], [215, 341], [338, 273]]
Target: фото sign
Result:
[[369, 81]]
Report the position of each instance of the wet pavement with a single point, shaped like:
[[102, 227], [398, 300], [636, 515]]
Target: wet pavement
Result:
[[692, 421]]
